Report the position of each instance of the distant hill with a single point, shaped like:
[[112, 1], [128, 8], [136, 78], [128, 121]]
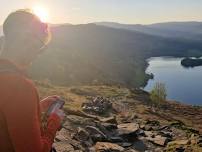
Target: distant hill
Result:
[[83, 54], [97, 54], [185, 30], [192, 27]]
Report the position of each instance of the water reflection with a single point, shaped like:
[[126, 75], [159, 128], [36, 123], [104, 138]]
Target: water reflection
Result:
[[182, 84]]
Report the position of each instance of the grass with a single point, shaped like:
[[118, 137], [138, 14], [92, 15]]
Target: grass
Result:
[[75, 96], [135, 101]]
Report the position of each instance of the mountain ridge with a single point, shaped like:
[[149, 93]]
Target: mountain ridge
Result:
[[94, 54], [168, 29], [90, 53]]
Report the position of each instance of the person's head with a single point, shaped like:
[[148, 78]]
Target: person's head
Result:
[[24, 37]]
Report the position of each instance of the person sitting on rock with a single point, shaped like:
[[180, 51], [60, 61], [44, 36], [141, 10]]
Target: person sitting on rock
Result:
[[25, 37]]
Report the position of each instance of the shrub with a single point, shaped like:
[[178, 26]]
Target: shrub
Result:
[[158, 93]]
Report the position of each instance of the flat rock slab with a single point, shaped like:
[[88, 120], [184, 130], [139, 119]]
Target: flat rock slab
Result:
[[159, 140], [108, 147], [63, 135], [63, 147], [109, 120], [127, 128], [179, 142]]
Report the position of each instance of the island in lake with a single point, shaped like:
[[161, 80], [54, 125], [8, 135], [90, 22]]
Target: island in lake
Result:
[[190, 62]]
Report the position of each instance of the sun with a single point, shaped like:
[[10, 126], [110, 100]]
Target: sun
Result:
[[41, 12]]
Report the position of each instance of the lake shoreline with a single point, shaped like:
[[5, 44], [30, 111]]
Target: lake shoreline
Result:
[[182, 83]]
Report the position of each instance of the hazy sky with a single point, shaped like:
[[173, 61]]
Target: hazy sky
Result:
[[123, 11]]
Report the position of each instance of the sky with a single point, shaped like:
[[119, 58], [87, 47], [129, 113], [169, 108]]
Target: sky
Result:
[[122, 11]]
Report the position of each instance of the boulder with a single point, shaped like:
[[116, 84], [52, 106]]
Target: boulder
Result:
[[127, 129], [96, 134], [108, 147], [82, 134], [63, 135], [80, 141], [109, 126], [63, 147], [75, 121], [159, 140]]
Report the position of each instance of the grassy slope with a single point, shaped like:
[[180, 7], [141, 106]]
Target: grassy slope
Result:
[[135, 102]]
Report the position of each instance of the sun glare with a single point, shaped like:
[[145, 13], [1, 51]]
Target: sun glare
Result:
[[41, 12]]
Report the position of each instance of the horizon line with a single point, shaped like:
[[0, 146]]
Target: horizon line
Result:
[[188, 21], [195, 21]]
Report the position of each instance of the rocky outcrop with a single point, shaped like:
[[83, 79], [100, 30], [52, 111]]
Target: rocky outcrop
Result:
[[99, 106], [117, 134]]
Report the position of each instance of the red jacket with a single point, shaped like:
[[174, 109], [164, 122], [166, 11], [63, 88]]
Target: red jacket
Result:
[[20, 126]]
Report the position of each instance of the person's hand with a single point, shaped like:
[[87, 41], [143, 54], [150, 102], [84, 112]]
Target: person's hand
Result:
[[46, 102], [60, 113]]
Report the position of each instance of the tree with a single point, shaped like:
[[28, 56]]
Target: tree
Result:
[[158, 93]]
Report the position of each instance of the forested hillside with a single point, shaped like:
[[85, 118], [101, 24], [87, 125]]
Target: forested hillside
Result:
[[83, 54]]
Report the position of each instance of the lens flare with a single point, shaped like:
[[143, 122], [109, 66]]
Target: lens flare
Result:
[[41, 12]]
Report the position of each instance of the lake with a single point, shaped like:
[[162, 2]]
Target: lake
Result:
[[182, 84]]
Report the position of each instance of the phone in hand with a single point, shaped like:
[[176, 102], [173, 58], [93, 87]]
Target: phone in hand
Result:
[[58, 104]]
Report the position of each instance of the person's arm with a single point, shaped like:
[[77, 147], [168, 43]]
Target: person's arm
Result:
[[22, 116]]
